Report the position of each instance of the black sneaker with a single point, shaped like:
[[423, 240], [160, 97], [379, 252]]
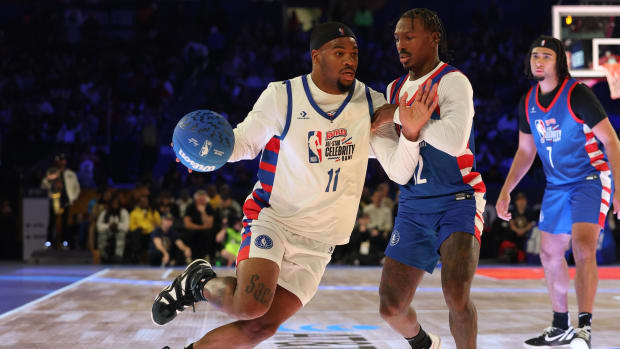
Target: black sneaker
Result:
[[582, 338], [551, 337], [185, 290]]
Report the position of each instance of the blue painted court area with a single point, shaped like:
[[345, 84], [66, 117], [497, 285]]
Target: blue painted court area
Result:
[[20, 284]]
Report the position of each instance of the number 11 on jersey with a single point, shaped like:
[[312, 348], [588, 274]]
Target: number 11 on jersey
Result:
[[331, 175]]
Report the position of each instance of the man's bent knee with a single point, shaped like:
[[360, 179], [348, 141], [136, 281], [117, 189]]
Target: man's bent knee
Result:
[[457, 298], [391, 305], [250, 312], [257, 330]]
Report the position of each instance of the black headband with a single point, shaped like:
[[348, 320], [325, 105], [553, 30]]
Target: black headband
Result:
[[329, 31], [547, 42]]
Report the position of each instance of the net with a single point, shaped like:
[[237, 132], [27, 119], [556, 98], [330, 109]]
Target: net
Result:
[[613, 78]]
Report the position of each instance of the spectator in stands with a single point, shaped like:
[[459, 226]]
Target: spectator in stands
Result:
[[95, 207], [367, 244], [166, 245], [214, 197], [63, 189], [384, 190], [230, 237], [349, 253], [167, 205], [200, 224], [512, 248], [229, 208], [143, 220], [112, 226], [183, 201], [380, 216]]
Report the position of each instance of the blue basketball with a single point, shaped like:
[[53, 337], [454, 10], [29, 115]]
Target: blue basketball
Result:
[[203, 140]]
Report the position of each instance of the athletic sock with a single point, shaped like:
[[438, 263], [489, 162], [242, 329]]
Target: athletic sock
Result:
[[420, 341], [585, 319], [560, 320]]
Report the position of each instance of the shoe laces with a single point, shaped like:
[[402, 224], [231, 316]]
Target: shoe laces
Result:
[[584, 332], [548, 330], [183, 300]]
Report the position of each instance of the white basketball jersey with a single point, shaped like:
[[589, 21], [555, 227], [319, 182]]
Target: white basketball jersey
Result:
[[311, 175]]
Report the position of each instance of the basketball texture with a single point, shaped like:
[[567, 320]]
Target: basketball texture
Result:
[[203, 140]]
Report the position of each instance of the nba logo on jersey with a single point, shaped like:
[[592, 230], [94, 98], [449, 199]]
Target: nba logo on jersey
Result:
[[548, 130], [315, 147], [264, 242], [542, 130]]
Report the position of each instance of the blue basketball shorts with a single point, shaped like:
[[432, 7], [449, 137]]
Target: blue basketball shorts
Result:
[[417, 237], [586, 201]]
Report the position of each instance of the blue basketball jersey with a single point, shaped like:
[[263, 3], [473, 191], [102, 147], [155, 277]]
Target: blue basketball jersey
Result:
[[439, 179], [565, 144]]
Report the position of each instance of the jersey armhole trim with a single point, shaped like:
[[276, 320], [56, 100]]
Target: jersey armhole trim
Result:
[[289, 109], [396, 86], [527, 105], [439, 71], [570, 108], [370, 106]]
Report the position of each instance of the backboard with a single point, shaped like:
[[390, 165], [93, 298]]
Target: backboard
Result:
[[587, 33]]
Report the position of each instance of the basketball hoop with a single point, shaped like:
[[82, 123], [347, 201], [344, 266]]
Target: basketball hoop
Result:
[[613, 78]]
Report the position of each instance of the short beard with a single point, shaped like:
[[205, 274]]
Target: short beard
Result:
[[538, 78], [342, 87]]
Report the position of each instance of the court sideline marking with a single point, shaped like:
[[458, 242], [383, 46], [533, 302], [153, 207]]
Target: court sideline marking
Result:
[[166, 273], [49, 295]]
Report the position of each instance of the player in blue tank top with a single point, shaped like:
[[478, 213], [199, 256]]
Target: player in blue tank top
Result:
[[440, 208], [562, 121]]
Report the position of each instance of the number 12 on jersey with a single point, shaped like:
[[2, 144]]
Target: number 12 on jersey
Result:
[[417, 175], [333, 175]]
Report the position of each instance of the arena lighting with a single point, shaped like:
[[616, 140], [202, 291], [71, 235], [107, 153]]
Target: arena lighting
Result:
[[569, 20]]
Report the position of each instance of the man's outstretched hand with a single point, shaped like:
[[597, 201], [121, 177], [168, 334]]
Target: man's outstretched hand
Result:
[[415, 116]]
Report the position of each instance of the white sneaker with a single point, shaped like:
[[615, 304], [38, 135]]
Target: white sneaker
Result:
[[435, 340], [582, 338]]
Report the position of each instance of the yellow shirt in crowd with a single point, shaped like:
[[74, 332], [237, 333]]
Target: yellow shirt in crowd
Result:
[[148, 220]]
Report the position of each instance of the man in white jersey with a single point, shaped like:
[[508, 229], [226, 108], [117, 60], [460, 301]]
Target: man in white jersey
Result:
[[440, 208], [314, 134]]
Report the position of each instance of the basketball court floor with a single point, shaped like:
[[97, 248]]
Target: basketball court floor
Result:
[[90, 307]]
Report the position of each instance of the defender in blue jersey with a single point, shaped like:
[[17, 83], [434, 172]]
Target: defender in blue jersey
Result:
[[440, 208], [562, 121]]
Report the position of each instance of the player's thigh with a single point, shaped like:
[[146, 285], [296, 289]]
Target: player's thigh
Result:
[[590, 200], [459, 236], [303, 266], [459, 260], [584, 240], [399, 282], [553, 246], [414, 241], [555, 212], [258, 269]]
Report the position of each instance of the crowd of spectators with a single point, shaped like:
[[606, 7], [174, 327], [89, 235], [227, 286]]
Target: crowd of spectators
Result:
[[105, 83]]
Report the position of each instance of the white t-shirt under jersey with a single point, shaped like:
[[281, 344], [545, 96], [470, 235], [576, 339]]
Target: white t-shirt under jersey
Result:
[[302, 199]]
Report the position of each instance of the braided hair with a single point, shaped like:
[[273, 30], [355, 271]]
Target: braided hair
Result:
[[433, 24]]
